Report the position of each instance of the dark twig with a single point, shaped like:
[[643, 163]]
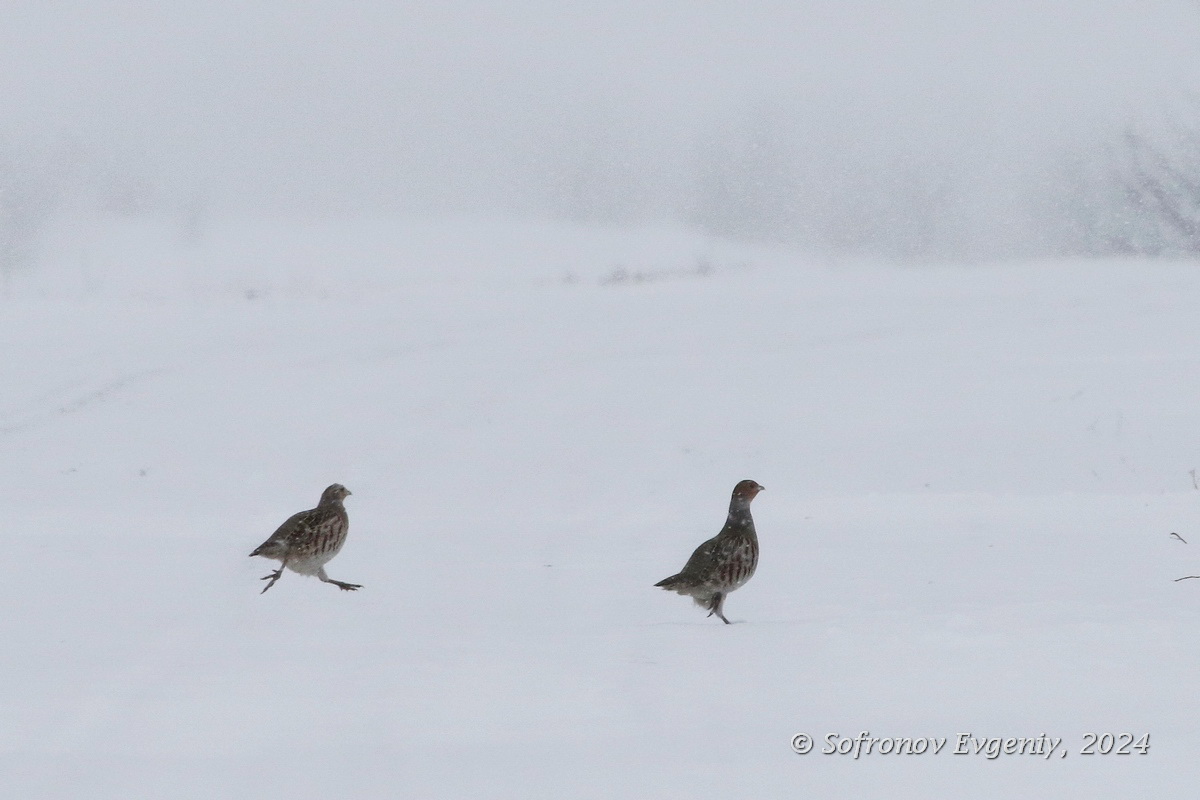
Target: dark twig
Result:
[[1177, 536], [1185, 577]]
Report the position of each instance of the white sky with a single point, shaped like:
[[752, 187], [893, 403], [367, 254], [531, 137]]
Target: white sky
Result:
[[531, 106]]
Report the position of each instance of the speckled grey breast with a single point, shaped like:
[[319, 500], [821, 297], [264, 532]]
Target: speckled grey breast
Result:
[[323, 539], [735, 564]]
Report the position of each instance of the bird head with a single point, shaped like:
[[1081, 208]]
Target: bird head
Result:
[[334, 493], [746, 490]]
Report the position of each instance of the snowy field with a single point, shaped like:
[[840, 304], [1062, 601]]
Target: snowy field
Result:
[[972, 473]]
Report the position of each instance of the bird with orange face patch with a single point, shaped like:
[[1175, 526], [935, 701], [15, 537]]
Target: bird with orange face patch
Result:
[[726, 561]]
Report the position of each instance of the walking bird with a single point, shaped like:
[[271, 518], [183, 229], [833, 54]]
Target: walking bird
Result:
[[726, 561], [307, 541]]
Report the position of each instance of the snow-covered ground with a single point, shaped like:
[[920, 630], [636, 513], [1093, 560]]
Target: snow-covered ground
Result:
[[972, 473]]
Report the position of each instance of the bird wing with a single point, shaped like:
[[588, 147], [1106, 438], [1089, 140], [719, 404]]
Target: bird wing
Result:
[[292, 528], [299, 526], [703, 558], [715, 551]]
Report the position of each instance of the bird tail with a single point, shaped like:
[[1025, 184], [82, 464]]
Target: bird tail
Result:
[[266, 550], [676, 583]]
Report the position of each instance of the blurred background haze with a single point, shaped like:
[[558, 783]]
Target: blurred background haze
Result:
[[912, 129]]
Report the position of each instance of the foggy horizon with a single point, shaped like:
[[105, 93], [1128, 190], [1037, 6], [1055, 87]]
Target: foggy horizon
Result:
[[924, 128]]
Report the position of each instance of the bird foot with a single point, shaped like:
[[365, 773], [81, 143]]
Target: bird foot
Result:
[[274, 576], [346, 587]]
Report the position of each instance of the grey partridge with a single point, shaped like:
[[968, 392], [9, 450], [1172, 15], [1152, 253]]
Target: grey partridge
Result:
[[725, 562], [307, 541]]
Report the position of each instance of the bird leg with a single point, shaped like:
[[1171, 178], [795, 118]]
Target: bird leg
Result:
[[274, 576], [716, 606], [346, 587]]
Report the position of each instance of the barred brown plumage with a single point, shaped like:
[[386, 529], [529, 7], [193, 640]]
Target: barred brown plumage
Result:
[[726, 561], [310, 539]]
